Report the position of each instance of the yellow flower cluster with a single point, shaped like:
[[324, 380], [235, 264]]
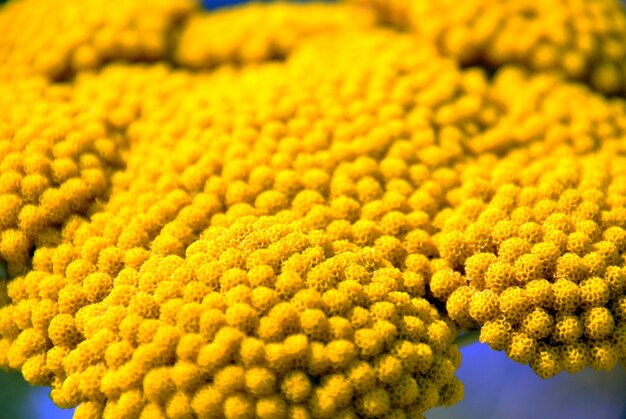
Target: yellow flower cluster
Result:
[[257, 33], [582, 39], [546, 286], [228, 270], [534, 247], [297, 227], [57, 40]]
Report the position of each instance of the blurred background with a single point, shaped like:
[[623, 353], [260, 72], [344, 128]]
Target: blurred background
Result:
[[495, 387]]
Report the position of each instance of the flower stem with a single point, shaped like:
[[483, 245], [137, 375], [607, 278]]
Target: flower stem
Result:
[[467, 338], [4, 274]]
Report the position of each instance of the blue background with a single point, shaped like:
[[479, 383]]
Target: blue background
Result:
[[495, 387]]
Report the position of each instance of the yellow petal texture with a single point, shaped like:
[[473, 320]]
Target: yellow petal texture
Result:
[[200, 222]]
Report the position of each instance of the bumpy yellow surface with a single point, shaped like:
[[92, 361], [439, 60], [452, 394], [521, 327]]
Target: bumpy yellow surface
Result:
[[580, 39], [199, 222]]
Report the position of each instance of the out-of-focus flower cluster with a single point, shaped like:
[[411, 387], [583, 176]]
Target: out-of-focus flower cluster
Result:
[[299, 226], [57, 40], [257, 33], [579, 39]]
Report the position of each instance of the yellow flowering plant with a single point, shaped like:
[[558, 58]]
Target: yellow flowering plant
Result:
[[293, 210]]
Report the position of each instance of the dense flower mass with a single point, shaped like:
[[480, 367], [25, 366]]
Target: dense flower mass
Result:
[[291, 211], [580, 39]]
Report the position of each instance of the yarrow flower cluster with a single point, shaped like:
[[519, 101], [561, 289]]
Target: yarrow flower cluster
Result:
[[580, 39], [292, 211]]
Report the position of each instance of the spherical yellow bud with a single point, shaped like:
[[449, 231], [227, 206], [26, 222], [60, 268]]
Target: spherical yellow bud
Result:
[[314, 355], [89, 409], [439, 334], [445, 282], [71, 299], [510, 250], [67, 394], [241, 316], [568, 328], [619, 308], [14, 248], [315, 324], [540, 292], [43, 313], [158, 385], [603, 355], [338, 302], [570, 266], [598, 323], [595, 264], [12, 204], [341, 353], [63, 332], [546, 361], [271, 408], [97, 286], [574, 357], [484, 306], [538, 324], [207, 401], [260, 381], [578, 243], [503, 231], [500, 276], [187, 376], [458, 306], [188, 315], [220, 352], [178, 406], [54, 359], [514, 303], [496, 333], [388, 368], [238, 406], [230, 379], [527, 268], [35, 371], [339, 387], [374, 403], [476, 266], [617, 236], [615, 278], [210, 322], [594, 292], [454, 248], [144, 305]]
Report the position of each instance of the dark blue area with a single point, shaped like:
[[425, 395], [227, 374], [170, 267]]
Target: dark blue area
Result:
[[215, 4]]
